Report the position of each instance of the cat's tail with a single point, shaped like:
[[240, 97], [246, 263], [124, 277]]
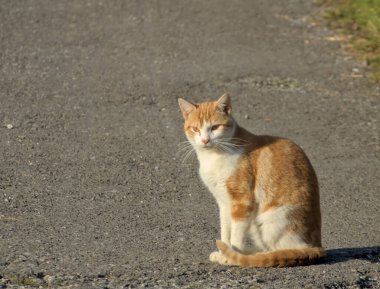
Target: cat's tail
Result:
[[279, 258]]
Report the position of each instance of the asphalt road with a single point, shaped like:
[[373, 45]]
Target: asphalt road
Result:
[[93, 193]]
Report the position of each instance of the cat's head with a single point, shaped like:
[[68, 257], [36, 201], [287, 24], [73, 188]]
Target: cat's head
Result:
[[208, 124]]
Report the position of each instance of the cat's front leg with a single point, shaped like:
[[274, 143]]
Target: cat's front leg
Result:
[[239, 231], [225, 224], [225, 232], [239, 224]]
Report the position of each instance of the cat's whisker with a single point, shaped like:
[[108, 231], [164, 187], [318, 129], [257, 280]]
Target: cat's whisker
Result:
[[229, 150], [188, 154], [221, 148], [226, 148], [183, 142], [184, 154], [232, 144], [234, 138], [235, 141], [232, 141], [184, 148]]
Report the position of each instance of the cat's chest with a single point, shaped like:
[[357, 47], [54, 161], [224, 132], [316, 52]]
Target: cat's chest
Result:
[[215, 169]]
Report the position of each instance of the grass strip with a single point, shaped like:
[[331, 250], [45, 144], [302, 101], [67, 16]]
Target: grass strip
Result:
[[360, 19]]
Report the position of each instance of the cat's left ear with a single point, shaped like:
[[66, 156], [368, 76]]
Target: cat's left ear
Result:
[[186, 107], [224, 104]]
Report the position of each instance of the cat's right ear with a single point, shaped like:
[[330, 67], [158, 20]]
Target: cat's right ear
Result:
[[186, 107], [224, 104]]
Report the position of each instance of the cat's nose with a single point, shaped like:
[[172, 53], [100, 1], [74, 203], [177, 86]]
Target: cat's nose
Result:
[[205, 141]]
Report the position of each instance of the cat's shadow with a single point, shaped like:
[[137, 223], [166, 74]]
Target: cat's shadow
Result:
[[371, 254]]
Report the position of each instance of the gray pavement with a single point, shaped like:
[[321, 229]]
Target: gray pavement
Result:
[[93, 193]]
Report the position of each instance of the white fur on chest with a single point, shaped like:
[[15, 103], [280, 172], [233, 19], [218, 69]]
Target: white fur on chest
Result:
[[215, 168]]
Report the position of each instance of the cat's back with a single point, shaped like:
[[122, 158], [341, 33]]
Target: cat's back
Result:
[[277, 150], [283, 171], [277, 154]]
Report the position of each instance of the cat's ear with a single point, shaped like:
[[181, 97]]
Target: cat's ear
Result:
[[224, 104], [186, 107]]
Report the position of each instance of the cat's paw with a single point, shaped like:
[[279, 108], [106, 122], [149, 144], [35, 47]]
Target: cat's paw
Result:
[[218, 257], [214, 257]]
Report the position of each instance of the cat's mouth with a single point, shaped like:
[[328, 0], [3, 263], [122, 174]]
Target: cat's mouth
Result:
[[207, 146]]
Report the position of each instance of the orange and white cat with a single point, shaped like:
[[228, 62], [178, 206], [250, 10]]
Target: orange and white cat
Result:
[[265, 187]]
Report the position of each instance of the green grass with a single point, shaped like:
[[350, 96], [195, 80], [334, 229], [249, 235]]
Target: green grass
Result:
[[361, 20]]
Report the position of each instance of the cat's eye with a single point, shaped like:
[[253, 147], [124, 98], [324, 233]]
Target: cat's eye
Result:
[[215, 127], [195, 129]]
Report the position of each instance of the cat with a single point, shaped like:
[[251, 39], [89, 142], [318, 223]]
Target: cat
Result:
[[265, 187]]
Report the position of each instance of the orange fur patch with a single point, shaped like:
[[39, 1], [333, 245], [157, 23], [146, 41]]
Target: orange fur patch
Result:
[[280, 258]]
